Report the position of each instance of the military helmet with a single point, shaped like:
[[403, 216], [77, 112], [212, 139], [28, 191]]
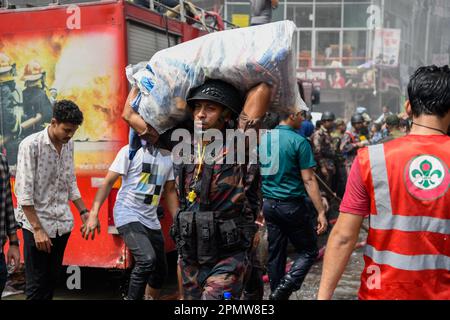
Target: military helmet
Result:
[[340, 122], [220, 92], [6, 64], [357, 118], [328, 116], [33, 71]]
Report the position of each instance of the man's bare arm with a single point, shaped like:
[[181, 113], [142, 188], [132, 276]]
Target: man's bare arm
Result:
[[257, 102], [133, 119], [340, 246], [312, 188], [92, 224], [171, 198]]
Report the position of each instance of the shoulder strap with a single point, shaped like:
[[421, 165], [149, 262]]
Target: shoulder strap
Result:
[[181, 191], [206, 187]]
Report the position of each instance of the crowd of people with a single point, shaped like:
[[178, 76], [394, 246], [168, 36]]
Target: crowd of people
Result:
[[218, 205]]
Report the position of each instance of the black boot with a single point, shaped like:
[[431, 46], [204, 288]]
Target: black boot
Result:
[[284, 289]]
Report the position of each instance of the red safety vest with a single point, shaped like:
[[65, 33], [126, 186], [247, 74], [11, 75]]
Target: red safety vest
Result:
[[408, 246]]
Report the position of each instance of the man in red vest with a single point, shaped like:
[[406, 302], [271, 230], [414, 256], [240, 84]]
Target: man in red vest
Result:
[[403, 186]]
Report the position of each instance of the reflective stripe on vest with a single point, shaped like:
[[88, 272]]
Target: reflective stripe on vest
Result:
[[385, 220], [405, 262]]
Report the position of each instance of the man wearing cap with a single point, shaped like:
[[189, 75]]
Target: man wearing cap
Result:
[[351, 141], [219, 200], [324, 152], [221, 197]]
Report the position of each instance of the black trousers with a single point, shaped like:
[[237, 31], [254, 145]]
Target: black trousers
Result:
[[3, 273], [42, 269], [150, 267], [294, 221]]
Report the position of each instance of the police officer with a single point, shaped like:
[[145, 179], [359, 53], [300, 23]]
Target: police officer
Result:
[[341, 176], [10, 107], [324, 152], [351, 141], [37, 107]]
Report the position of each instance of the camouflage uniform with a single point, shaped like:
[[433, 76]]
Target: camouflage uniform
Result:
[[324, 153], [234, 188], [349, 148], [341, 175]]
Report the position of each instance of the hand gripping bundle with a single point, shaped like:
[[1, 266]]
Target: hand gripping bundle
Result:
[[243, 57]]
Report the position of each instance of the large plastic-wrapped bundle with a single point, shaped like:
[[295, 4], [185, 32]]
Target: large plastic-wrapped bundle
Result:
[[243, 57]]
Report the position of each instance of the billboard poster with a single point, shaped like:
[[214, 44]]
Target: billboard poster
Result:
[[338, 78], [40, 64], [386, 48]]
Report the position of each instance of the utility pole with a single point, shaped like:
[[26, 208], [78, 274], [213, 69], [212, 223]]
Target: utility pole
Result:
[[427, 32], [380, 94]]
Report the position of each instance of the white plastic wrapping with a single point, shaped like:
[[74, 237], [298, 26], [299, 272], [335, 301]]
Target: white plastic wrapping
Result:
[[243, 57]]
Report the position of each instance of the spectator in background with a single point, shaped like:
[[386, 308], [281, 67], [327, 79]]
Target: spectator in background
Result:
[[339, 128], [307, 127], [393, 128], [382, 118], [404, 126], [261, 11], [375, 133]]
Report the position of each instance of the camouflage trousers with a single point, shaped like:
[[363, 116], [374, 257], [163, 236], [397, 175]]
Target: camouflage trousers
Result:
[[210, 282]]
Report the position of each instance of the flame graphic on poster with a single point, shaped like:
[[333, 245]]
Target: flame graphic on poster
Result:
[[83, 67], [90, 80]]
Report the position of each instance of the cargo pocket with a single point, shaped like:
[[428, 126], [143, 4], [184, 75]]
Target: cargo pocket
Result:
[[185, 235], [230, 235], [207, 250]]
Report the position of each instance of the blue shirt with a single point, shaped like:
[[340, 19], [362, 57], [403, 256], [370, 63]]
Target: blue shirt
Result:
[[307, 129], [283, 154]]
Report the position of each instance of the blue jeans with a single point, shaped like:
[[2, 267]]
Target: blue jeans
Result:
[[294, 221], [150, 264], [3, 273]]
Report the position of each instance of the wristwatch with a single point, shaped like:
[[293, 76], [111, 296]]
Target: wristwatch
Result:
[[14, 243], [84, 211]]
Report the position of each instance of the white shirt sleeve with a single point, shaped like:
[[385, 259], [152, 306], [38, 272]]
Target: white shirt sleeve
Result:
[[25, 173], [74, 192], [121, 163], [170, 175]]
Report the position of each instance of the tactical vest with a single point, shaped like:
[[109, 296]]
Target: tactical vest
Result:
[[204, 237], [407, 255]]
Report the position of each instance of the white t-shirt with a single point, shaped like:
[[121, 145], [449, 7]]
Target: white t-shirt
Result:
[[143, 180]]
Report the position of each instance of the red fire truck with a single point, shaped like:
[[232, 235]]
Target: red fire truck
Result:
[[82, 51]]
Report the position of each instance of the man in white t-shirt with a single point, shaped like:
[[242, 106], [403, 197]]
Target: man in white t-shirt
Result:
[[145, 178]]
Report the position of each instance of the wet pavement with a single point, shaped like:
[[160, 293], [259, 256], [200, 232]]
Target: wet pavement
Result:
[[100, 284]]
